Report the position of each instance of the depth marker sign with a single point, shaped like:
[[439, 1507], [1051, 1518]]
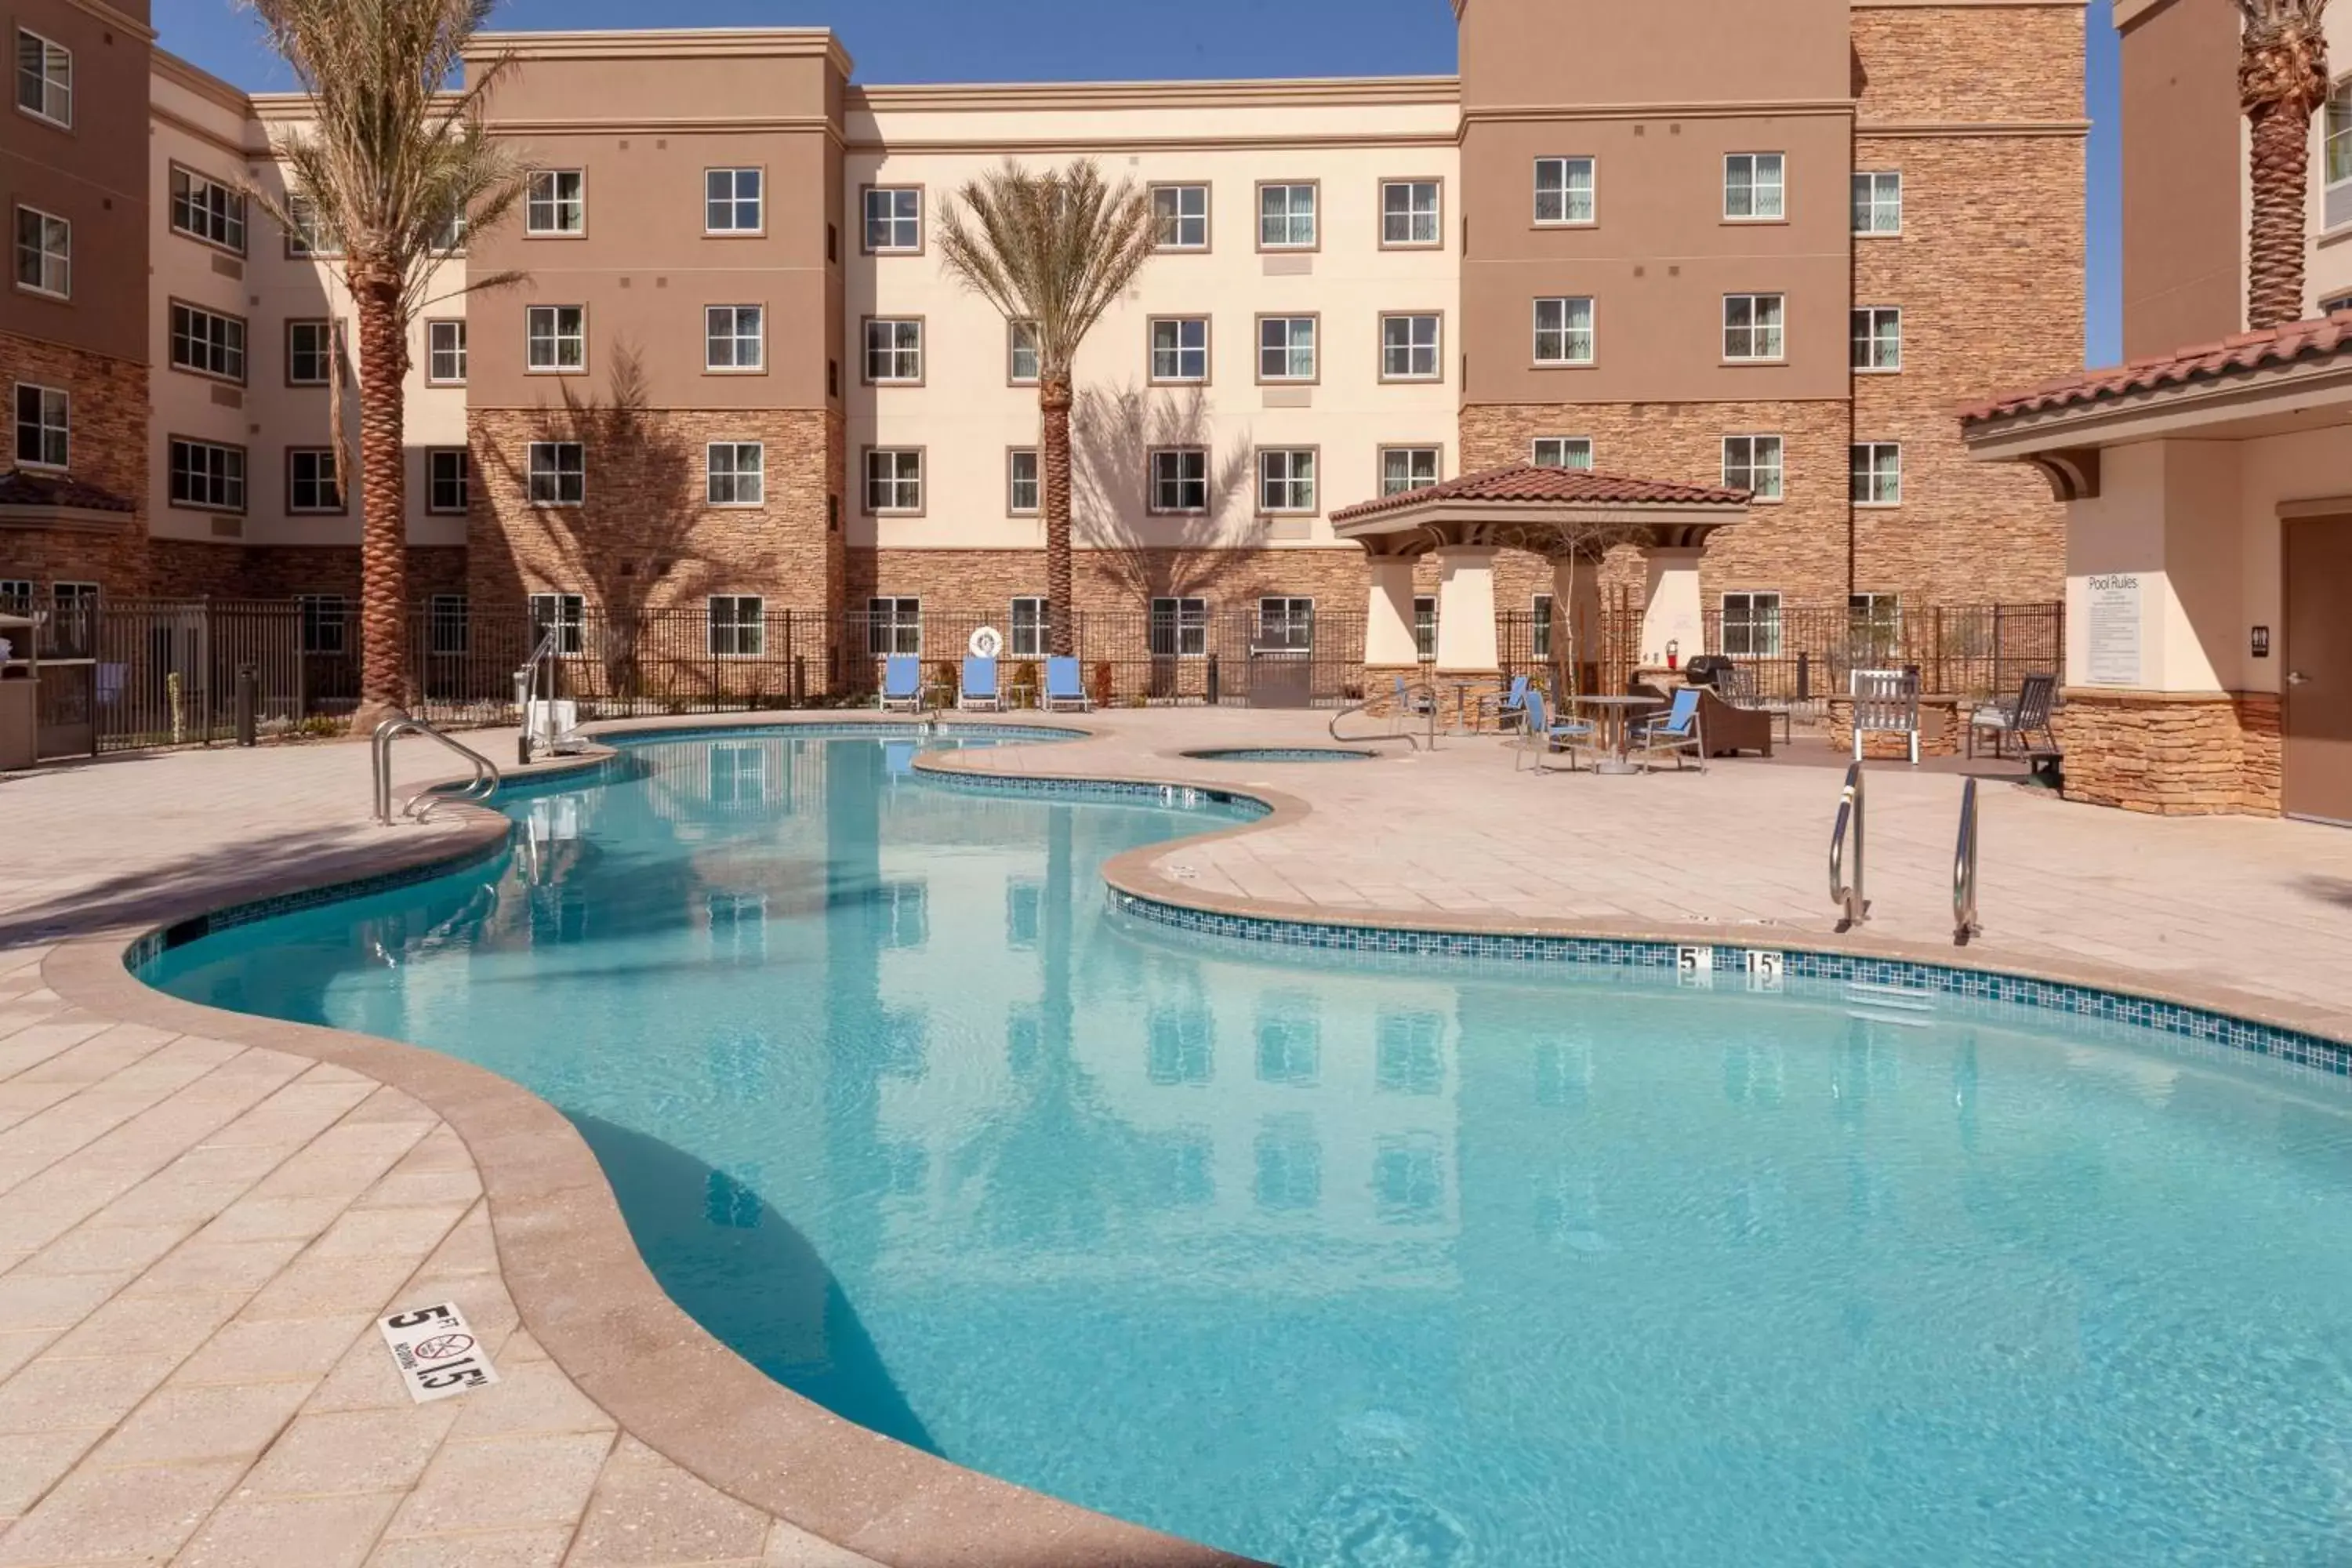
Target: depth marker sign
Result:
[[436, 1352]]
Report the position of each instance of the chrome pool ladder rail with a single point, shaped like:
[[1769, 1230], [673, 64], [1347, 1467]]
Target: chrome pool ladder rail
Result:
[[1852, 906], [1964, 871], [419, 808]]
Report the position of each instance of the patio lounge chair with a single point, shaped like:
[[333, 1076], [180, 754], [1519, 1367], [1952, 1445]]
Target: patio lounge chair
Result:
[[1885, 702], [1676, 730], [1730, 729], [2023, 715], [1737, 686], [902, 684], [1543, 738], [979, 685], [1509, 709], [1064, 690]]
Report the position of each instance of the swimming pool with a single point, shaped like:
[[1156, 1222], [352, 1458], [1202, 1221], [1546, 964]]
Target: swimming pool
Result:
[[1338, 1261]]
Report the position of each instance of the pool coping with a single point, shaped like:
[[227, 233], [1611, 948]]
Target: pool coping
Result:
[[585, 1291]]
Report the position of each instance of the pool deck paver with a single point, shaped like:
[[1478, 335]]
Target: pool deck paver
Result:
[[197, 1235]]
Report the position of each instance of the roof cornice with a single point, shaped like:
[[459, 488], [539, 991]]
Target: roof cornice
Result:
[[665, 43], [1305, 93], [203, 83]]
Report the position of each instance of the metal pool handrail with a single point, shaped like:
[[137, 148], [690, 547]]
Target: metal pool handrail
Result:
[[484, 783], [527, 684], [1848, 896], [1964, 871], [1400, 732]]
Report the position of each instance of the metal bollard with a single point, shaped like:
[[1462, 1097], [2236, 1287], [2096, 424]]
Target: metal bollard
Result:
[[1213, 683], [248, 702]]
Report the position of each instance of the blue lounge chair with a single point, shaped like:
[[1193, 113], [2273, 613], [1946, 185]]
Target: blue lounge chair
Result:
[[902, 683], [1673, 733], [1543, 738], [979, 689], [1064, 690], [1511, 708]]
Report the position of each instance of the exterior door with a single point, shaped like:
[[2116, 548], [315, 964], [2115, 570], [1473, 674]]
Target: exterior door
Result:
[[2315, 764]]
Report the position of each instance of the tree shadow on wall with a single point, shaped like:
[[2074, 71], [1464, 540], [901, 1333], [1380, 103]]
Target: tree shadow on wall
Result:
[[1151, 555]]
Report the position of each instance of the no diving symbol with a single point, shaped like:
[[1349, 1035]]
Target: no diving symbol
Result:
[[441, 1347]]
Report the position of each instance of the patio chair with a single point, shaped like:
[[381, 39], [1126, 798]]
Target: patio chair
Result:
[[1509, 708], [978, 689], [902, 684], [1543, 738], [1737, 686], [1676, 730], [2023, 715], [1064, 690], [1885, 702]]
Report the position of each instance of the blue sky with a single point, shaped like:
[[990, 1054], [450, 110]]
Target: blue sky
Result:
[[1054, 40]]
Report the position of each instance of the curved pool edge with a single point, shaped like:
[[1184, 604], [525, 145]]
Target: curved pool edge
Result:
[[583, 1290]]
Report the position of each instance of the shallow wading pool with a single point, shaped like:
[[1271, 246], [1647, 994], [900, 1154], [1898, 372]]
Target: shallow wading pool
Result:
[[1343, 1260], [1282, 754]]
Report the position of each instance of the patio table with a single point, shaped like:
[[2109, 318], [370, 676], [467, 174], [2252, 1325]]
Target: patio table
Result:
[[1616, 724]]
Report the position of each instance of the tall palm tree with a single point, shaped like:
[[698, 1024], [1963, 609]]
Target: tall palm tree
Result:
[[392, 159], [1053, 250], [2282, 82]]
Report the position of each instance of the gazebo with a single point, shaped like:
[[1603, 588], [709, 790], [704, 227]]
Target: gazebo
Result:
[[1561, 514]]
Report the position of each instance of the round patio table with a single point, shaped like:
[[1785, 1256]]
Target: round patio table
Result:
[[1616, 723]]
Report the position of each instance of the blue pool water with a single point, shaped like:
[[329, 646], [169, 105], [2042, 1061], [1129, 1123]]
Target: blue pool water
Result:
[[1418, 1265]]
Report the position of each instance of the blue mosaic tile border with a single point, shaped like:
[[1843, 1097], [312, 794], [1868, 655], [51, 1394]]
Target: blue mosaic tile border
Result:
[[1230, 804], [886, 729], [1991, 989]]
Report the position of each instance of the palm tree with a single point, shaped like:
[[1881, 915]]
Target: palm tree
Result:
[[2282, 82], [391, 161], [1051, 249]]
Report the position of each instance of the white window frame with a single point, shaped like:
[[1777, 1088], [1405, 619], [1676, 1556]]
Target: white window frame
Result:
[[1563, 336], [434, 479], [735, 473], [1014, 332], [727, 204], [1016, 459], [1170, 215], [1563, 450], [1425, 627], [1767, 198], [1758, 612], [724, 325], [1767, 342], [1185, 621], [1029, 627], [325, 356], [209, 211], [888, 620], [1875, 474], [547, 212], [899, 351], [904, 484], [1423, 225], [1171, 470], [545, 339], [740, 630], [899, 221], [1284, 623], [306, 238], [54, 104], [1750, 465], [1286, 481], [1289, 348], [1877, 195], [51, 266], [216, 351], [446, 613], [1409, 349], [1566, 191], [1876, 328], [1539, 623], [319, 462], [2335, 137], [1177, 350], [546, 473], [1288, 214], [223, 470], [1407, 462], [51, 425], [444, 342], [566, 614], [321, 614]]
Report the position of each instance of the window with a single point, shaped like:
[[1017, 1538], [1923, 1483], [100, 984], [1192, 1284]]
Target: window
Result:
[[1409, 213], [1752, 463], [207, 344], [894, 219], [1020, 493], [16, 596], [894, 626], [1564, 192], [44, 79], [2336, 156], [1179, 628], [1289, 1041], [308, 236], [1564, 331], [1410, 1054], [1179, 349], [1286, 479], [309, 353], [1407, 469], [1539, 627], [445, 352], [734, 473], [737, 624], [1562, 452], [44, 426], [555, 338], [1285, 625], [1285, 348], [1425, 626], [207, 475], [1878, 202], [1285, 217], [1751, 186], [1180, 217], [1021, 353], [730, 201], [444, 625], [558, 473], [733, 337], [1877, 338], [324, 616], [894, 479], [1409, 348], [1180, 480], [44, 252], [1874, 626], [1031, 628], [445, 480], [1752, 626], [894, 350], [448, 239], [1751, 326], [562, 614], [557, 202], [1182, 1046], [2341, 302], [1877, 473], [311, 480]]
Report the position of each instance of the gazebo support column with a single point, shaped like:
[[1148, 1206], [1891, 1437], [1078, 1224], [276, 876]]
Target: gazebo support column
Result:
[[1391, 649], [1468, 666], [1672, 613]]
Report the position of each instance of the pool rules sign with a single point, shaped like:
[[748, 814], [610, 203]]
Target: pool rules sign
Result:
[[436, 1352]]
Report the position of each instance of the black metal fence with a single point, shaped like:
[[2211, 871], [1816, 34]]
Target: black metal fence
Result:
[[1800, 656]]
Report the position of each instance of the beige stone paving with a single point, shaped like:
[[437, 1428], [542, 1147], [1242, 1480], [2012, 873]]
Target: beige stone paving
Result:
[[196, 1236]]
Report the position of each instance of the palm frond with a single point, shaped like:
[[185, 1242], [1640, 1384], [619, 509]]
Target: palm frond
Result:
[[1053, 249]]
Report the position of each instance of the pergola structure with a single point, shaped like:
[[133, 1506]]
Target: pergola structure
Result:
[[1561, 514]]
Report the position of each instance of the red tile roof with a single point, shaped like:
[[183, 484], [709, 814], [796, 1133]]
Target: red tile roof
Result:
[[19, 488], [1565, 486], [2322, 338]]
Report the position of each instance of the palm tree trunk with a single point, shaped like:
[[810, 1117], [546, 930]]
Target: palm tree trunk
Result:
[[2274, 236], [1054, 406], [383, 528]]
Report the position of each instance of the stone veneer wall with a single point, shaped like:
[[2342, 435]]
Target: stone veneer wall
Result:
[[192, 569], [108, 451], [2172, 754]]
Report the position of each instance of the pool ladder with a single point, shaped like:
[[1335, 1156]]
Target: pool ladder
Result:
[[1853, 908], [419, 808], [1964, 871]]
